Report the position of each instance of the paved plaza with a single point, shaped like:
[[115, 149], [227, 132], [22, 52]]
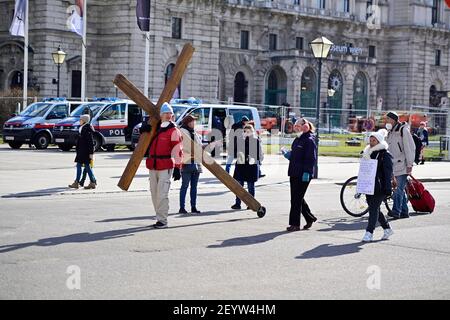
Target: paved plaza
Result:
[[78, 244]]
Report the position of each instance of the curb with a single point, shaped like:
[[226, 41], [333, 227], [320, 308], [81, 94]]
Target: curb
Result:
[[420, 179]]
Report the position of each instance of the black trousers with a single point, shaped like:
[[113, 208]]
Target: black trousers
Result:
[[298, 203], [375, 214]]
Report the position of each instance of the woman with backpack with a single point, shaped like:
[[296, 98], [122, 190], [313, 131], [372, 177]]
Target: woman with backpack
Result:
[[377, 149]]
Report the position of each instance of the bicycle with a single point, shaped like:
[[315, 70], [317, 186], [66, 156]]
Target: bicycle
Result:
[[355, 204]]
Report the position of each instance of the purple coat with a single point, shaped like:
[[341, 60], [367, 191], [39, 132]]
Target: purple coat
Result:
[[303, 155]]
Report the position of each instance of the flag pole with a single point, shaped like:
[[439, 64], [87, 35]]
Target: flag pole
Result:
[[147, 61], [83, 53], [25, 60]]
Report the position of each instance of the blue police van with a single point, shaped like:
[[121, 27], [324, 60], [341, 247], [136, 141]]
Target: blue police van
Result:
[[33, 126]]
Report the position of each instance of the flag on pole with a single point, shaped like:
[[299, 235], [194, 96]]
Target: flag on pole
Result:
[[75, 20], [143, 14], [17, 27]]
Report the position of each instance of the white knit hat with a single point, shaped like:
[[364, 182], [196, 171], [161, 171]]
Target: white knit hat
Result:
[[85, 117], [379, 135]]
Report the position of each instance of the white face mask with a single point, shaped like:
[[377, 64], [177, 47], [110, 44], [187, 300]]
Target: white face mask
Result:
[[388, 126]]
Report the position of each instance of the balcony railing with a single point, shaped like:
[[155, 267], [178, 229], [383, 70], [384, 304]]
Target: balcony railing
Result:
[[292, 8]]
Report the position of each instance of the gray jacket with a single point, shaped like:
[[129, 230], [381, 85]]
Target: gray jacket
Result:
[[402, 148]]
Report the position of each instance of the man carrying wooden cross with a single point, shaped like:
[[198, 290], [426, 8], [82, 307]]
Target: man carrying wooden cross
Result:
[[164, 161]]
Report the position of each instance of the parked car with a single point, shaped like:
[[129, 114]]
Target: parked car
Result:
[[34, 125]]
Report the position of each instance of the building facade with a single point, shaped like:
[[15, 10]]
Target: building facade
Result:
[[387, 54]]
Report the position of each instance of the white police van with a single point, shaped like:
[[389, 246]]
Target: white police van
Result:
[[111, 118], [65, 132], [114, 124], [34, 125], [209, 116]]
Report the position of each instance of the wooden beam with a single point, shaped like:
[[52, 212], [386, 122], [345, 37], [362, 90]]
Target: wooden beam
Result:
[[208, 161], [134, 93]]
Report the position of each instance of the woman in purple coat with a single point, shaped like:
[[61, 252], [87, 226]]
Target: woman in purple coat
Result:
[[302, 157]]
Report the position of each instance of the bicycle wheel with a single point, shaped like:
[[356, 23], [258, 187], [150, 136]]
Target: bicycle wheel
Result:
[[355, 204], [388, 203]]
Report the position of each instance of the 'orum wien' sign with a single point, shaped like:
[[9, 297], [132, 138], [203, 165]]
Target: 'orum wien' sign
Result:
[[346, 50]]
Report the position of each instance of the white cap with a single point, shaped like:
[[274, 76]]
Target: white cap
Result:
[[379, 135], [85, 117]]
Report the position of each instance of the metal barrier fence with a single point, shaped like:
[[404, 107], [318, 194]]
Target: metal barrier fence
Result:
[[12, 105]]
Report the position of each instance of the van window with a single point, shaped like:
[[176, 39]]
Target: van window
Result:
[[202, 115], [60, 111], [36, 109], [114, 112], [239, 113]]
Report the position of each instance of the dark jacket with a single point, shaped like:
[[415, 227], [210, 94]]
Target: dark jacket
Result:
[[303, 155], [85, 144], [383, 179], [385, 167], [247, 165], [234, 135]]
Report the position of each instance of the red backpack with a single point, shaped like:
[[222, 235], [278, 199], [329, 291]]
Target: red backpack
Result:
[[420, 198]]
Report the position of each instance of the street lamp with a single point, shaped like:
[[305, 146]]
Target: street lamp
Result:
[[320, 48], [58, 58]]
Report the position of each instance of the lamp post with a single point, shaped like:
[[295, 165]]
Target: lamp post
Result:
[[58, 58], [320, 48]]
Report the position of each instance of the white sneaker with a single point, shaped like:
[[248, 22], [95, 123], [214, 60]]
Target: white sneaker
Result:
[[387, 233], [368, 237]]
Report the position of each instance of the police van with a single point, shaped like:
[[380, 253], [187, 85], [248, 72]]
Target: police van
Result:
[[209, 116], [65, 132], [34, 125]]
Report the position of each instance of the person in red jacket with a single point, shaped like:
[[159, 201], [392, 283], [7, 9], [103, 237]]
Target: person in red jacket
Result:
[[164, 161]]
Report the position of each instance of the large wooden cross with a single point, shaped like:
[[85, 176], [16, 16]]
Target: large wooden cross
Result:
[[144, 140]]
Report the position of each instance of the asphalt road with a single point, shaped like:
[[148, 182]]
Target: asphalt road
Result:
[[61, 244]]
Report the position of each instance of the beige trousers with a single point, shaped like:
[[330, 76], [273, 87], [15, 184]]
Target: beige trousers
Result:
[[159, 188]]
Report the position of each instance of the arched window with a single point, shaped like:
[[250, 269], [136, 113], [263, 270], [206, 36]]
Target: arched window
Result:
[[308, 93], [336, 83], [240, 88], [360, 90], [276, 87], [16, 80], [167, 75]]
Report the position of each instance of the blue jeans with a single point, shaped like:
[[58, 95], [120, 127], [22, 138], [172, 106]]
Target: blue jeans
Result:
[[189, 176], [251, 190], [400, 206], [87, 168]]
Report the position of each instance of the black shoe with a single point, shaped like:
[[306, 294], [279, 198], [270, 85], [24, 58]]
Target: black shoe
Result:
[[81, 183], [262, 175], [160, 225], [423, 162], [393, 215], [309, 224], [194, 210], [182, 210], [404, 216], [236, 207]]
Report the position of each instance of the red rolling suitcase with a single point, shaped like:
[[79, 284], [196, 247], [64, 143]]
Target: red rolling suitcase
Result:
[[420, 198]]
